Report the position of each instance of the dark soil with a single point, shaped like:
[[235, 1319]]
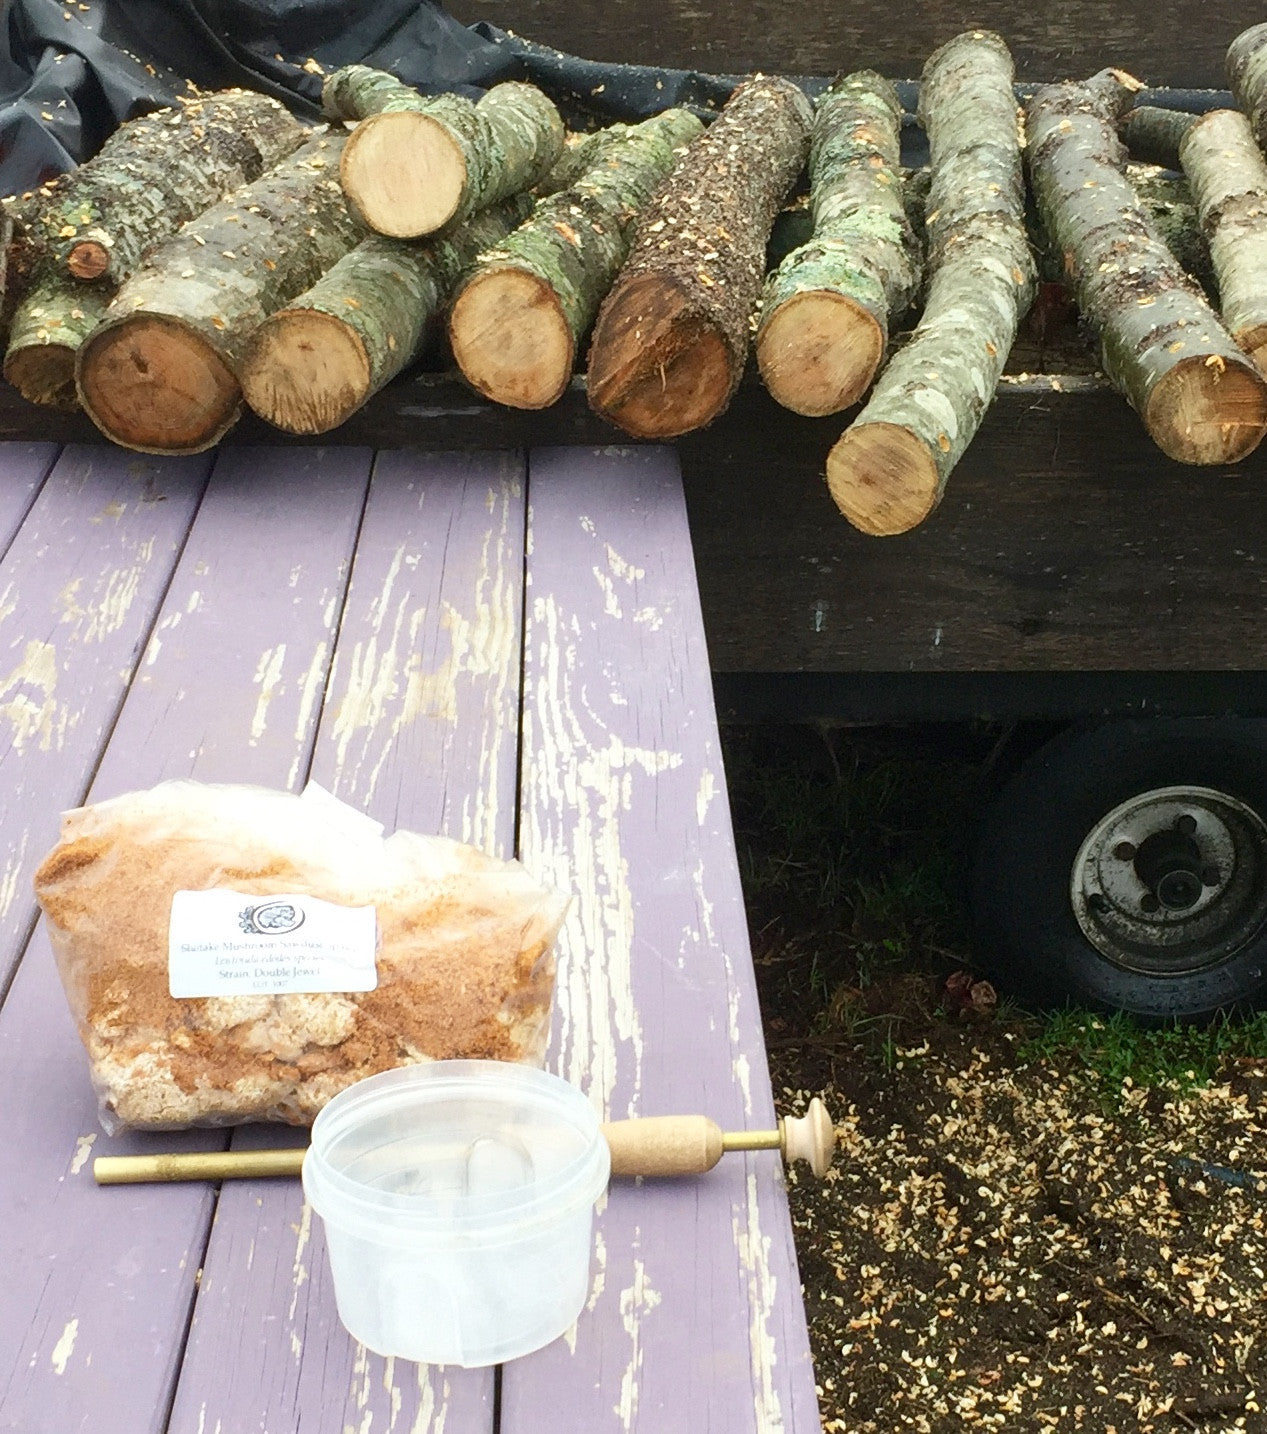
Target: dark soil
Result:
[[1016, 1234]]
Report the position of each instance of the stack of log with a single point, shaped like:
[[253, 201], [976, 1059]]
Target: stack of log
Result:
[[221, 254]]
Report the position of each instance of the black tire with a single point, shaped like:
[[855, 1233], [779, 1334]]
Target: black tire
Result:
[[1074, 801]]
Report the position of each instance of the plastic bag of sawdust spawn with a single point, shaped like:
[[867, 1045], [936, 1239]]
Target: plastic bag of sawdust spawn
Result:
[[234, 954]]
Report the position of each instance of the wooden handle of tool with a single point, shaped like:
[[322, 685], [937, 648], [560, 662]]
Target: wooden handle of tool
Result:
[[664, 1145]]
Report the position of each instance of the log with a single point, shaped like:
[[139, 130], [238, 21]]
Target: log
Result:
[[672, 336], [87, 230], [1152, 135], [1228, 176], [159, 374], [1247, 77], [889, 469], [416, 163], [520, 315], [825, 314], [1199, 397], [311, 365], [48, 328]]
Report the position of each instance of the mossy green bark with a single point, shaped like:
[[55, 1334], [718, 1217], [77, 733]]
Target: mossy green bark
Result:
[[385, 292], [1247, 76], [1154, 324], [509, 139], [48, 328], [154, 174], [863, 246], [248, 255], [576, 240], [1228, 176], [937, 388]]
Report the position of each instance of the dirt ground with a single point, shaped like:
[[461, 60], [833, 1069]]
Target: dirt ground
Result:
[[1053, 1224]]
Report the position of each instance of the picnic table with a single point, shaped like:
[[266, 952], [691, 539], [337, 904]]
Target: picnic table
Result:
[[502, 646]]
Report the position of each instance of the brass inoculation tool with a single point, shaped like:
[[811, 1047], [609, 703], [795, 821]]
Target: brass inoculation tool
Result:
[[654, 1146]]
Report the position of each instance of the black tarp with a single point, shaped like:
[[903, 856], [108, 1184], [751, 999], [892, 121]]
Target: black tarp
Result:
[[70, 73]]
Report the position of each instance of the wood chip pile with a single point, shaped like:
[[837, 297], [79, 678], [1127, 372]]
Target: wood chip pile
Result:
[[221, 255]]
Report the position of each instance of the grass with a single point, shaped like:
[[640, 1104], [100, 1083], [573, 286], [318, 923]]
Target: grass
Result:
[[853, 849], [1116, 1050]]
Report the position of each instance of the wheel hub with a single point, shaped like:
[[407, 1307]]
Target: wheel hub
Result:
[[1172, 881]]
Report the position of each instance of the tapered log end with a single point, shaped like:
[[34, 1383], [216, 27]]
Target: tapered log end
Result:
[[151, 384], [656, 369], [819, 352], [403, 174], [305, 372], [1208, 410], [44, 374], [883, 478], [511, 339]]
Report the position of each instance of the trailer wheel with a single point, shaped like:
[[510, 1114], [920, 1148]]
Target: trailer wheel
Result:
[[1124, 867]]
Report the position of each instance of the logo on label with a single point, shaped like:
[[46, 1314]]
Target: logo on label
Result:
[[271, 918]]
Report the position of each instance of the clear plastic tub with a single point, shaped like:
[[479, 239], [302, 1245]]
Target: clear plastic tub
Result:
[[458, 1202]]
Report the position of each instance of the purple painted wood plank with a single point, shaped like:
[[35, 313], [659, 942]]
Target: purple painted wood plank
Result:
[[98, 1283], [79, 587], [695, 1318], [23, 467], [420, 729]]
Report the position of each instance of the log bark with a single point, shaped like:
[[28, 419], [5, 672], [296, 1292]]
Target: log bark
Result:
[[416, 163], [1152, 135], [889, 470], [159, 374], [88, 229], [311, 365], [519, 316], [825, 313], [672, 336], [48, 328], [1247, 77], [1228, 176], [1199, 397]]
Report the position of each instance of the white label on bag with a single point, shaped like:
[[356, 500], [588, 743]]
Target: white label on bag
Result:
[[222, 943]]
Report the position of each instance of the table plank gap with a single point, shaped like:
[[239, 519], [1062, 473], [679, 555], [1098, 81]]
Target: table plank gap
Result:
[[23, 469]]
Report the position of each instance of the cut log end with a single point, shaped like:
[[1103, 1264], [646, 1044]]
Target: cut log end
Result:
[[1208, 411], [883, 478], [88, 260], [1253, 341], [44, 374], [403, 173], [819, 352], [152, 384], [511, 339], [656, 370], [305, 371]]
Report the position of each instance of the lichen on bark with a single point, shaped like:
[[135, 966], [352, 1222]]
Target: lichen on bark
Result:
[[889, 469], [825, 313], [1162, 345], [528, 302]]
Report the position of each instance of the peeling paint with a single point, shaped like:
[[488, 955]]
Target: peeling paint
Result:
[[650, 617], [618, 567], [83, 1149], [754, 1260], [44, 719], [299, 1271], [268, 677], [13, 869], [704, 795], [636, 1302], [65, 1347]]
